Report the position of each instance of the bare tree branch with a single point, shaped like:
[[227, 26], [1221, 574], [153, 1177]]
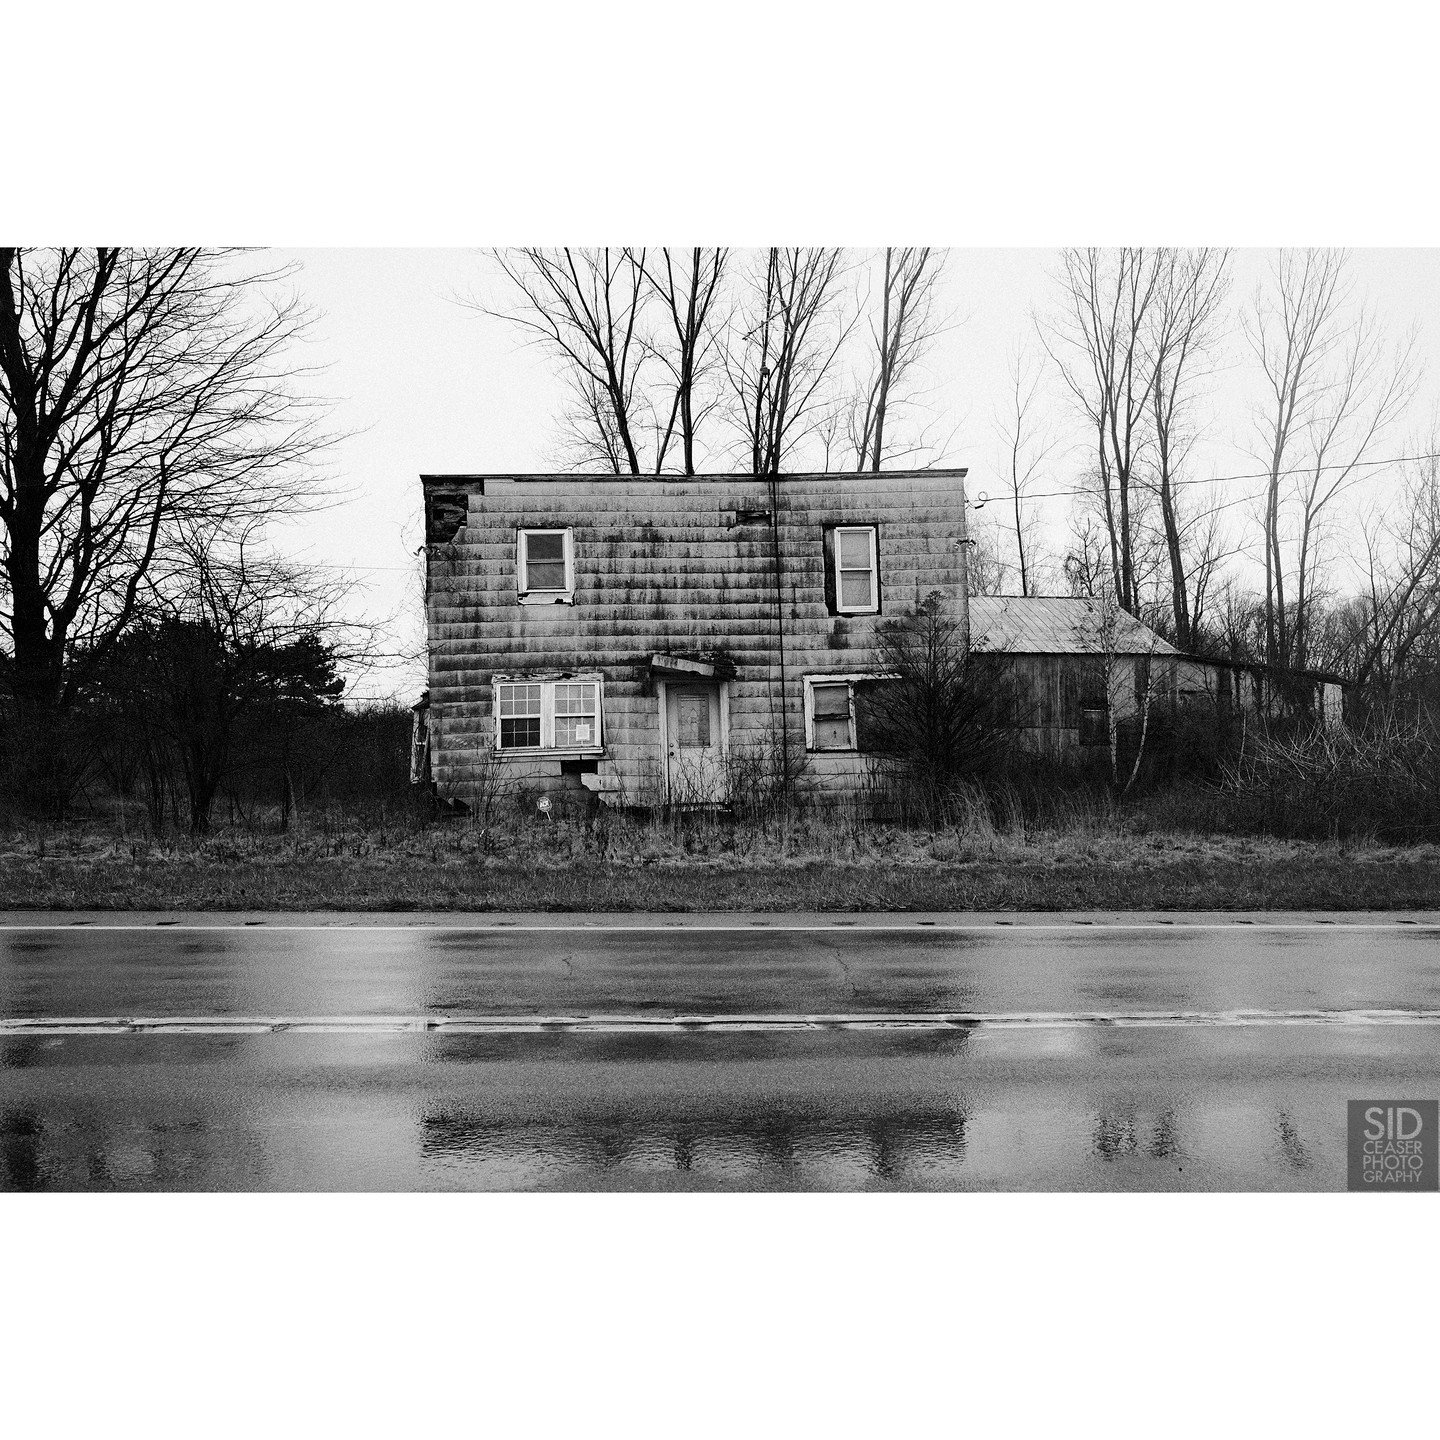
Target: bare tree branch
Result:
[[140, 390]]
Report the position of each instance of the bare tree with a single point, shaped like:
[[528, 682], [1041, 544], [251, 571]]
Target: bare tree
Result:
[[1292, 327], [586, 308], [1129, 680], [688, 285], [1098, 342], [1333, 389], [1089, 560], [1189, 301], [1085, 561], [986, 572], [1026, 448], [791, 328], [232, 632], [900, 334], [1238, 627], [945, 714], [141, 391], [1372, 385], [1204, 548], [1396, 618]]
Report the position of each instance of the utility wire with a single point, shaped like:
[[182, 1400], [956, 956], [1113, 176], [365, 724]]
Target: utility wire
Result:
[[1214, 480], [1049, 495]]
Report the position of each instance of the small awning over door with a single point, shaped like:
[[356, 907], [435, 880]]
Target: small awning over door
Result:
[[684, 667]]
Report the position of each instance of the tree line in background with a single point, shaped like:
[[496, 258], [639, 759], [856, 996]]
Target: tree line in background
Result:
[[822, 358], [153, 424]]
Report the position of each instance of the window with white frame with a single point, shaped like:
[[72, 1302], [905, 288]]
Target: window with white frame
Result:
[[832, 723], [857, 578], [840, 711], [577, 714], [548, 714], [545, 564]]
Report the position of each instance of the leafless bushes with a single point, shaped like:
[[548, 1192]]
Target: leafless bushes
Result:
[[942, 716], [1318, 782]]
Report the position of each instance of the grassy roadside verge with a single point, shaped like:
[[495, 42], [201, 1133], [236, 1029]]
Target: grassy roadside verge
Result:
[[1246, 876]]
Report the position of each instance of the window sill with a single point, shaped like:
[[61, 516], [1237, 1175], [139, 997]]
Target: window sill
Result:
[[549, 752], [547, 597], [862, 610]]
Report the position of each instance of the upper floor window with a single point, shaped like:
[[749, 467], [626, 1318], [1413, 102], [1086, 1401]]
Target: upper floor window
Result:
[[852, 554], [545, 565]]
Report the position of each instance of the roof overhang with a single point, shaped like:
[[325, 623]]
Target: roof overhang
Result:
[[682, 667]]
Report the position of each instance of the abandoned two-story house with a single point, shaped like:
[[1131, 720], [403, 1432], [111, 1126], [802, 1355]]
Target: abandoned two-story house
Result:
[[643, 637]]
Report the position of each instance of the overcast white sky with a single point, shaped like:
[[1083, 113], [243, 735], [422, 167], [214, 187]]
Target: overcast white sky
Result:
[[422, 383]]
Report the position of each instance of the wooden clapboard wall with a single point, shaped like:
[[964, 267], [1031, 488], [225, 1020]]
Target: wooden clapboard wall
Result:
[[670, 566]]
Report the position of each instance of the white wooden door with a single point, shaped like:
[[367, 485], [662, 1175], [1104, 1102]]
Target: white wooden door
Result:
[[696, 772]]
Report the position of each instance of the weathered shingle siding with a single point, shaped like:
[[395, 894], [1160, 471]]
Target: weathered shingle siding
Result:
[[661, 567]]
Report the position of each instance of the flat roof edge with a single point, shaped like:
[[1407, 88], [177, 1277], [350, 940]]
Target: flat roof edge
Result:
[[605, 477]]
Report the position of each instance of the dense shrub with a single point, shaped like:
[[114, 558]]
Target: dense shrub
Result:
[[1381, 781], [101, 765]]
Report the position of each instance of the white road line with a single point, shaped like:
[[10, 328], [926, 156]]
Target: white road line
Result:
[[718, 1024], [1426, 927]]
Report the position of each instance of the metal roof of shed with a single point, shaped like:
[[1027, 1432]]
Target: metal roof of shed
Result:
[[1055, 625]]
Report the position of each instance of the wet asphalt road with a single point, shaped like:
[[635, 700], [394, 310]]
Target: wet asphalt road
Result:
[[1238, 1048]]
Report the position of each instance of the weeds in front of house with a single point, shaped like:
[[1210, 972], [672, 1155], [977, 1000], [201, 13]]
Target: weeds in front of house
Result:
[[1279, 820], [1020, 817]]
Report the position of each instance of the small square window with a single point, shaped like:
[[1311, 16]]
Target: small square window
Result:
[[545, 563]]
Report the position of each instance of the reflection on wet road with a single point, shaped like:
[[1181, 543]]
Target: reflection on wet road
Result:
[[1089, 1109]]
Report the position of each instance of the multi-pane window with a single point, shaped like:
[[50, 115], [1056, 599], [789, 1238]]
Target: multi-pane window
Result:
[[548, 714], [545, 564], [577, 713], [857, 579], [519, 711]]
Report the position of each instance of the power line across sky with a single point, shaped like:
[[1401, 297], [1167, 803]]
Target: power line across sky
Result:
[[1070, 493], [1221, 479]]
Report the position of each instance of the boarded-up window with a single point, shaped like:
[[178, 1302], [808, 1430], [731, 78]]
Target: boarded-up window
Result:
[[831, 717], [1095, 726], [1082, 687], [875, 704]]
